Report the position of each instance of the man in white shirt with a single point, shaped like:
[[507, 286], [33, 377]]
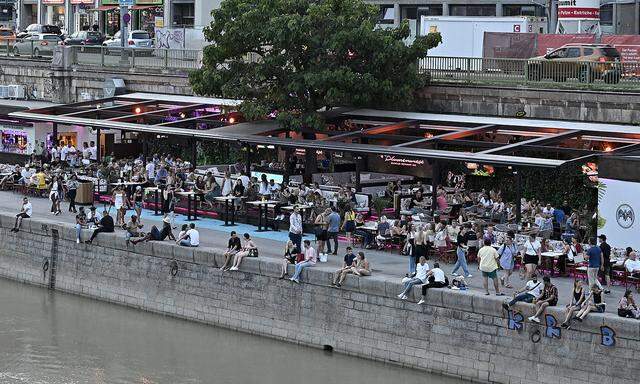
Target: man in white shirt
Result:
[[191, 238], [245, 180], [632, 265], [25, 213], [420, 278], [93, 149], [548, 210], [150, 169], [436, 279], [295, 227], [531, 291], [64, 152]]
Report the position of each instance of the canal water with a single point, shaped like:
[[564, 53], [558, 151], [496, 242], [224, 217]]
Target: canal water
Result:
[[56, 338]]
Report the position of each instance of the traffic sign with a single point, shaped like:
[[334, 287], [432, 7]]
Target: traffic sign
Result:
[[126, 3]]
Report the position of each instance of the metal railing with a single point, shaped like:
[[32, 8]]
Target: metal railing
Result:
[[143, 58], [522, 72], [33, 49]]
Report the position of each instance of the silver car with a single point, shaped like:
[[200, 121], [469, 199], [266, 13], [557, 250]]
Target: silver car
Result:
[[139, 40], [37, 44]]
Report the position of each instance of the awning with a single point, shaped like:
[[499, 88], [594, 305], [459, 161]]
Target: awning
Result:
[[105, 8]]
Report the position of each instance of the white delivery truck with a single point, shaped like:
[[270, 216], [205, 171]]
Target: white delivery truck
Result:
[[464, 36]]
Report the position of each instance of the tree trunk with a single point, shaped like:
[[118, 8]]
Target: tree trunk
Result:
[[310, 158]]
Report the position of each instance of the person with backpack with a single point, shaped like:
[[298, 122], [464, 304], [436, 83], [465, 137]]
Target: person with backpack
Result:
[[508, 252]]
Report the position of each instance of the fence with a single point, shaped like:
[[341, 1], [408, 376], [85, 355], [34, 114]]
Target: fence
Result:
[[144, 58], [29, 48], [515, 72]]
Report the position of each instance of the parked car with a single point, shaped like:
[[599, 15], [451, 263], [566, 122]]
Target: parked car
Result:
[[585, 62], [84, 38], [139, 40], [40, 44], [7, 37], [40, 28]]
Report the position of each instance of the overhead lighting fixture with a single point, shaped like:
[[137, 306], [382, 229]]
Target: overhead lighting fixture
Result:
[[137, 110]]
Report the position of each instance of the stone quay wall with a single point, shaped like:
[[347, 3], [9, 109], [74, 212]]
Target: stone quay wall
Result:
[[458, 333]]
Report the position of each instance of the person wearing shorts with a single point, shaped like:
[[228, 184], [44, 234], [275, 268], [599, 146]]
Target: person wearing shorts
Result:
[[25, 213], [489, 266], [532, 256]]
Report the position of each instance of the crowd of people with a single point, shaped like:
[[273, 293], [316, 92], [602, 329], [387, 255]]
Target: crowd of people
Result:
[[464, 223]]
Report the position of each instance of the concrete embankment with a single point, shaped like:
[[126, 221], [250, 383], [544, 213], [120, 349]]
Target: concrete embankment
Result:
[[458, 333]]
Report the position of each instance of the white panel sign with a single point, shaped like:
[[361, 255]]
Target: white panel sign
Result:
[[618, 206]]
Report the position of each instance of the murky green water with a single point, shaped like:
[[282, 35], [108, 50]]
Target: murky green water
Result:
[[54, 338]]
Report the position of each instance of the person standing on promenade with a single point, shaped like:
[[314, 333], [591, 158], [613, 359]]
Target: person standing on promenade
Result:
[[508, 252], [295, 227], [25, 212], [594, 256], [332, 230], [489, 266], [606, 269], [461, 252]]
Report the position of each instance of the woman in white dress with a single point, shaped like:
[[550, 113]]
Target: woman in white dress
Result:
[[119, 202]]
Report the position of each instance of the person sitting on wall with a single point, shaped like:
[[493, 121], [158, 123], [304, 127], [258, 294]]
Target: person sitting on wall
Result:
[[577, 298], [249, 249], [132, 228], [158, 235], [549, 298], [310, 259], [105, 225], [347, 263], [527, 294], [593, 302], [191, 238], [436, 279], [627, 306], [419, 278], [25, 212]]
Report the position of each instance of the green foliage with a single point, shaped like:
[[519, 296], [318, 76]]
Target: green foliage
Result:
[[299, 56], [380, 203]]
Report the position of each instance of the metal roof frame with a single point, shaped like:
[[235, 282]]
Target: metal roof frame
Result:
[[382, 125]]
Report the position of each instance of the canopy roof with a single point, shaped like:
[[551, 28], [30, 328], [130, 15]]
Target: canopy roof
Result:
[[477, 139]]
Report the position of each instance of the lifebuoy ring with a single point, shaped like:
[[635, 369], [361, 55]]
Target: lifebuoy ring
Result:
[[536, 336], [174, 269]]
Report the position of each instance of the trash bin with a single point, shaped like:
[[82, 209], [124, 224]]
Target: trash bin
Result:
[[85, 192]]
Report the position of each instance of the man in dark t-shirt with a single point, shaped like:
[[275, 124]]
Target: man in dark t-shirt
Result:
[[105, 225], [606, 261]]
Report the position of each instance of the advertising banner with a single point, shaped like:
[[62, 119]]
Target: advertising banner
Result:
[[618, 205], [549, 42], [579, 10]]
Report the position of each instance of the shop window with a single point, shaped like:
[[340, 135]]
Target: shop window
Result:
[[523, 10], [472, 10], [6, 13], [183, 15], [606, 14], [387, 14]]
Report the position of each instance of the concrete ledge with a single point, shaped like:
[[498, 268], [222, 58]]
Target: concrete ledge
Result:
[[464, 333]]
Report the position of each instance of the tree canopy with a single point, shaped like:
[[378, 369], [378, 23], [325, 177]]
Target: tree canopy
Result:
[[296, 57]]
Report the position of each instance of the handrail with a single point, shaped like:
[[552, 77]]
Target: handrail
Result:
[[532, 72]]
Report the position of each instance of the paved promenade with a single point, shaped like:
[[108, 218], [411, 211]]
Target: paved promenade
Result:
[[271, 244]]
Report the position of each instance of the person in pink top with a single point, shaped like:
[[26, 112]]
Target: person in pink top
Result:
[[442, 201], [310, 259]]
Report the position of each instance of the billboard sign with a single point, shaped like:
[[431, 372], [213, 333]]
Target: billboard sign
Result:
[[618, 207], [578, 9]]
